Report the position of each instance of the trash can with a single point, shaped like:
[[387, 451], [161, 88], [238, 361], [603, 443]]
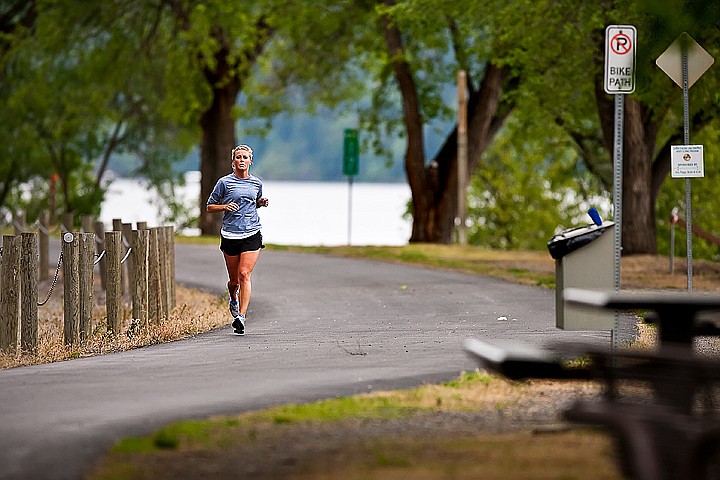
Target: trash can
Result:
[[583, 259]]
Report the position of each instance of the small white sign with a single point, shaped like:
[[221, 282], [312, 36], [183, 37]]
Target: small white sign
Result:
[[687, 161], [620, 59]]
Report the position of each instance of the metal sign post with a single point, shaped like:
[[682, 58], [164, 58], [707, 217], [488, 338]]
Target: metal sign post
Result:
[[684, 62], [462, 155], [620, 42], [350, 167]]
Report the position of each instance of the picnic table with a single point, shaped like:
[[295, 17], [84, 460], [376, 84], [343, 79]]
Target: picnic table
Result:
[[660, 405]]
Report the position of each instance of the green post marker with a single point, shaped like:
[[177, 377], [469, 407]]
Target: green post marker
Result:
[[351, 152], [351, 163]]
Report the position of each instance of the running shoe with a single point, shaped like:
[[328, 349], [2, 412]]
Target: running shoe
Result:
[[239, 324], [234, 307]]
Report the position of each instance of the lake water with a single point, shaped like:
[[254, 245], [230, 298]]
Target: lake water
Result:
[[300, 213]]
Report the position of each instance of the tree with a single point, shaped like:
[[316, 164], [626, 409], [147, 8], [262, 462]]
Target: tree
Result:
[[425, 44], [82, 85], [218, 48]]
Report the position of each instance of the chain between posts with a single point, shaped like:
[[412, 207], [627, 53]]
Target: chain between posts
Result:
[[54, 282], [57, 273]]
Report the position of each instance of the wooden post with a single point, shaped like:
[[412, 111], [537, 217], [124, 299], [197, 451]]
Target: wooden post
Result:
[[86, 222], [10, 294], [155, 312], [68, 222], [127, 269], [29, 294], [86, 266], [171, 265], [113, 293], [19, 222], [462, 157], [99, 249], [142, 225], [44, 245], [117, 227], [140, 249], [164, 277], [71, 287]]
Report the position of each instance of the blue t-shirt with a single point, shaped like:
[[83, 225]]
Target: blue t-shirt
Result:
[[245, 192]]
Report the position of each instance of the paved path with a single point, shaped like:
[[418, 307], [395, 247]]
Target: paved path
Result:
[[319, 326]]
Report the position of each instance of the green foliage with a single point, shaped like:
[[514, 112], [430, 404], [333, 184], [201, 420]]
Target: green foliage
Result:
[[83, 85], [526, 191], [87, 81]]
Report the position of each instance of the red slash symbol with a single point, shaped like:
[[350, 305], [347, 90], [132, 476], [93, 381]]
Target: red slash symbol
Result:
[[620, 44]]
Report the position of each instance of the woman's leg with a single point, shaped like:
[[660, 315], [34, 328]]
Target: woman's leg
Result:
[[232, 262], [246, 264]]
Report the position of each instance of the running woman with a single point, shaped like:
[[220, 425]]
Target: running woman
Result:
[[238, 195]]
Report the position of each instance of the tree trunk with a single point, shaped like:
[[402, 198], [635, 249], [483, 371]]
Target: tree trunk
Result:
[[218, 133], [639, 181], [434, 222], [218, 139], [224, 76], [639, 229], [434, 187]]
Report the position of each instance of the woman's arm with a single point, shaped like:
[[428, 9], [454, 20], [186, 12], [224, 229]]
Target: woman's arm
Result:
[[222, 207]]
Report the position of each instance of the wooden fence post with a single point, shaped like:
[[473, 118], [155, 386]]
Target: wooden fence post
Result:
[[117, 227], [113, 293], [71, 288], [10, 294], [140, 249], [44, 244], [127, 268], [99, 249], [29, 294], [164, 283], [170, 247], [86, 264], [155, 312], [68, 222], [19, 222], [86, 223]]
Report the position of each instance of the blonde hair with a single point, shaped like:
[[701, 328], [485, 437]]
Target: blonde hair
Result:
[[241, 147]]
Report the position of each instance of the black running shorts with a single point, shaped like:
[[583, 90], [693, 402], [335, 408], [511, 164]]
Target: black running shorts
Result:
[[234, 247]]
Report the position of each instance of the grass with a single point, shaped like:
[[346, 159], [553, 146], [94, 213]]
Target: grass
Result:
[[199, 312], [332, 439], [520, 266]]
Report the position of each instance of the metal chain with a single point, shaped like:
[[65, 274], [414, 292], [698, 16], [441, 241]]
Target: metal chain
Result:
[[127, 254], [52, 287]]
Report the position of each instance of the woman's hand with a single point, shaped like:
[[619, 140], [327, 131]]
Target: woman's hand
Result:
[[232, 207], [263, 202]]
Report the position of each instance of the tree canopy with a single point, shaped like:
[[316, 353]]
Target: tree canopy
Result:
[[83, 81]]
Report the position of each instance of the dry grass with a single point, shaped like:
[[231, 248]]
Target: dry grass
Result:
[[198, 312]]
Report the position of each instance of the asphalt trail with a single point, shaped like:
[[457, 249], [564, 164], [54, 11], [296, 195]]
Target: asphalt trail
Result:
[[318, 327]]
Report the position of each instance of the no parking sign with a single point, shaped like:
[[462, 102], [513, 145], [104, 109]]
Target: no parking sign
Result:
[[620, 43]]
